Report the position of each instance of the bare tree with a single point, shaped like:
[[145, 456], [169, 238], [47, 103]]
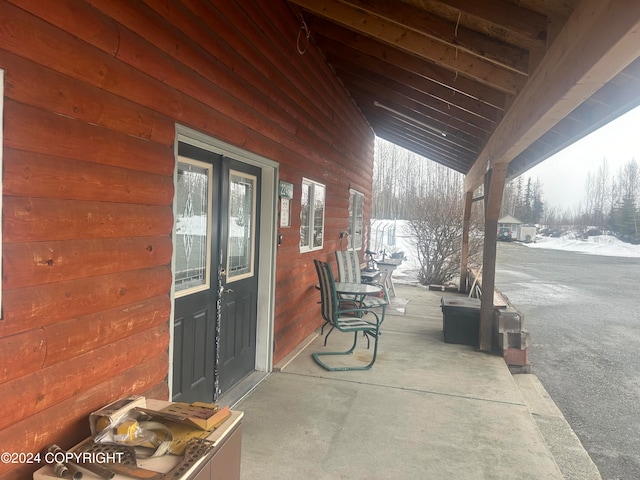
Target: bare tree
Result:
[[436, 222], [589, 199], [602, 194], [629, 180], [624, 210], [510, 198]]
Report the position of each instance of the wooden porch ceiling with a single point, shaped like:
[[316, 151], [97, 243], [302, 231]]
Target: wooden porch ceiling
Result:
[[471, 83]]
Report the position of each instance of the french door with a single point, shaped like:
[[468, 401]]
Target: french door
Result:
[[217, 230]]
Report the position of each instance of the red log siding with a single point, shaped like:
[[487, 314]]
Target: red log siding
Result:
[[93, 89]]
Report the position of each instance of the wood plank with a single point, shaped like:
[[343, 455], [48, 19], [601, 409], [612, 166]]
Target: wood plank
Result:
[[67, 54], [465, 39], [454, 158], [290, 336], [425, 150], [520, 23], [212, 86], [43, 389], [438, 135], [22, 354], [36, 263], [160, 391], [35, 130], [114, 76], [385, 91], [241, 112], [67, 422], [367, 94], [494, 189], [499, 300], [313, 76], [37, 175], [417, 44], [33, 307], [40, 219], [432, 72], [599, 40], [78, 17], [80, 335], [464, 255], [367, 66], [32, 84], [223, 41]]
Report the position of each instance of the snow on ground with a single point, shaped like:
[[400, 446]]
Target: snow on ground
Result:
[[407, 272], [598, 245]]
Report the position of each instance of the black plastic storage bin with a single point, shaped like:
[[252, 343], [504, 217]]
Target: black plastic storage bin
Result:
[[461, 320]]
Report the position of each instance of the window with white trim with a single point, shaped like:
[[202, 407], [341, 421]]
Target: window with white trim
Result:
[[356, 219], [312, 215]]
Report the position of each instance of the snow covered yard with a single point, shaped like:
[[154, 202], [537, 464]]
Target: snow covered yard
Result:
[[605, 245], [407, 272]]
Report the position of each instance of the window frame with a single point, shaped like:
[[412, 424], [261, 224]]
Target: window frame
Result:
[[354, 219], [313, 189], [254, 183]]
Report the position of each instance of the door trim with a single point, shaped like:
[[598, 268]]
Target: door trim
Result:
[[267, 245]]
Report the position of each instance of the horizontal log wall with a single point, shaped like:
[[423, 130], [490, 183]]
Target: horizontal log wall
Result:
[[93, 90]]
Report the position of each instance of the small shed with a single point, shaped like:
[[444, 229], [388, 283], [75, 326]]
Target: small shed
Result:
[[507, 227]]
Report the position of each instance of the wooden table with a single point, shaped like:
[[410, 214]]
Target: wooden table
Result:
[[390, 265], [222, 464]]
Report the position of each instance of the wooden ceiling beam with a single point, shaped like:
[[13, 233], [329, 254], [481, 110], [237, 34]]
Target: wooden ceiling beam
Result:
[[428, 70], [386, 105], [384, 88], [454, 157], [419, 111], [585, 119], [441, 134], [599, 40], [416, 44], [422, 150], [352, 60], [424, 136], [504, 20], [451, 33], [342, 58]]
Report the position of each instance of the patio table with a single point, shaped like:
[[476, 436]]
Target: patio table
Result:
[[357, 289]]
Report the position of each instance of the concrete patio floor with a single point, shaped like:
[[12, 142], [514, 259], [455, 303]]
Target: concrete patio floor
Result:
[[426, 410]]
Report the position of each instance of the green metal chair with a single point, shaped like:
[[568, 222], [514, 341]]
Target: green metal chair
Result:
[[345, 319], [349, 271]]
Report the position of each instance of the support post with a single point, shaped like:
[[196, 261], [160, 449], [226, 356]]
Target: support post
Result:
[[494, 189], [464, 257]]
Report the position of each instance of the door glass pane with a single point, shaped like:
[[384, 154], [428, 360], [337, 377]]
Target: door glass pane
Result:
[[193, 202], [304, 216], [318, 215], [356, 219], [240, 248]]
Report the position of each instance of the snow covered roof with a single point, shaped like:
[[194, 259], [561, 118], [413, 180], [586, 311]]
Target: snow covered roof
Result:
[[509, 219]]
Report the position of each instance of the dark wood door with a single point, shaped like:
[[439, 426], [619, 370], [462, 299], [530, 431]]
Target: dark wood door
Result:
[[239, 274], [195, 314], [217, 228]]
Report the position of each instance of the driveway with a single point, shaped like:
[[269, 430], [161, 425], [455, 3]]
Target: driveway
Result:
[[583, 312]]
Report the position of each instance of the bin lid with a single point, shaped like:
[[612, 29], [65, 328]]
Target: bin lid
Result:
[[461, 302]]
